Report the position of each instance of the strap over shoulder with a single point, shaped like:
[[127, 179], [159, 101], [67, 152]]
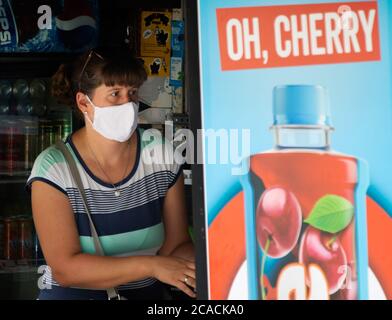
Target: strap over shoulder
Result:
[[112, 292]]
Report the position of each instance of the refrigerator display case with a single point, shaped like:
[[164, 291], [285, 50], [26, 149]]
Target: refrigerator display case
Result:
[[30, 121]]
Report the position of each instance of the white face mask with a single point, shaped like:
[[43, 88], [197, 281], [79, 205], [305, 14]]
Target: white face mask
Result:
[[115, 122]]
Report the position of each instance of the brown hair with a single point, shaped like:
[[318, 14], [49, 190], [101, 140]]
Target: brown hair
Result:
[[105, 65]]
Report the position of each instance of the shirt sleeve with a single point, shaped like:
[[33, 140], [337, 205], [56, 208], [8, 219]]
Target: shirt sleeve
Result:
[[49, 167]]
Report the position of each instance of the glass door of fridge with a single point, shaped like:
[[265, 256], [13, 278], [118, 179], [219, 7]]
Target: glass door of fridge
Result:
[[30, 121]]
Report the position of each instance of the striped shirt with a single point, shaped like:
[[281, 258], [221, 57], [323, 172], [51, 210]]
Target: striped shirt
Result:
[[128, 225]]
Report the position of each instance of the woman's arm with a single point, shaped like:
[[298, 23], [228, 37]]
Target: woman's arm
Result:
[[59, 239], [178, 242]]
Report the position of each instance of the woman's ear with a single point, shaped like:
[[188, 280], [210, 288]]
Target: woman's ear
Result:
[[82, 102]]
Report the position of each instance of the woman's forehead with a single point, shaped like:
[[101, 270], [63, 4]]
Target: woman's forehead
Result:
[[104, 87]]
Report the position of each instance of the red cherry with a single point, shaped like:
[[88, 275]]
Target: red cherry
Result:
[[320, 248], [279, 219]]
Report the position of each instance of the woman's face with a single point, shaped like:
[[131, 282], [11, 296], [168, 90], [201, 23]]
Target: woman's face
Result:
[[116, 95], [104, 96]]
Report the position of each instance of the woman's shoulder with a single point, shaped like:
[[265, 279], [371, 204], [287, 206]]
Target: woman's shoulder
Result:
[[50, 156], [49, 167]]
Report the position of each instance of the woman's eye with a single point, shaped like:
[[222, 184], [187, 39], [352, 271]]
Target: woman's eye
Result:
[[114, 94]]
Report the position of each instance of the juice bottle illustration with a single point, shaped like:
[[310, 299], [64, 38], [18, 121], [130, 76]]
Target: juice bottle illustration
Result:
[[305, 207]]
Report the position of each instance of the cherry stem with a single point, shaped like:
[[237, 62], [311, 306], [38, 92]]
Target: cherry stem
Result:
[[332, 240], [264, 258]]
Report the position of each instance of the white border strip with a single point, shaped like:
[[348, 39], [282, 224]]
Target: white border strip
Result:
[[202, 144]]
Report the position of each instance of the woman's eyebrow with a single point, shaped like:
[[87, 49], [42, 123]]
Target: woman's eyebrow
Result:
[[114, 89], [120, 88]]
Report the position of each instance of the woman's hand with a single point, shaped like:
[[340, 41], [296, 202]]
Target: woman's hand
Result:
[[176, 272]]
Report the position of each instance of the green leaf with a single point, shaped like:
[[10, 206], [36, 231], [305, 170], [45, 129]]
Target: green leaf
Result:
[[331, 213]]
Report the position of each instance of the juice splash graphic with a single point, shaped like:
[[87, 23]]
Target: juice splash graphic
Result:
[[305, 207]]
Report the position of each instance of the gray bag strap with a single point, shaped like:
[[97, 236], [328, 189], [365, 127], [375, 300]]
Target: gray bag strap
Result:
[[112, 292]]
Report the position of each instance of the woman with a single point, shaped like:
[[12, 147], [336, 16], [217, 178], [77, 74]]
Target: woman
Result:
[[137, 206]]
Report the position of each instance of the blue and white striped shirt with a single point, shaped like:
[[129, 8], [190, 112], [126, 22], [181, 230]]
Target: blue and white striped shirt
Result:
[[128, 225]]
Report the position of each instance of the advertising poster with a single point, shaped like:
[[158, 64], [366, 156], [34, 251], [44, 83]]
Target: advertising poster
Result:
[[48, 25], [296, 107]]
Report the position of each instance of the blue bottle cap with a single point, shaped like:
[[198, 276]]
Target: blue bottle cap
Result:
[[301, 105]]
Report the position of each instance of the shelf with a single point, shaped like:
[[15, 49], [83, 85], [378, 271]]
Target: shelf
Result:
[[17, 178], [31, 65], [12, 267], [14, 181]]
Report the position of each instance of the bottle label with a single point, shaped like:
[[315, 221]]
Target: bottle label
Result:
[[304, 214], [8, 28]]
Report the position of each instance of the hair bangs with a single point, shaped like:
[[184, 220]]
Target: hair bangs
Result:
[[124, 72]]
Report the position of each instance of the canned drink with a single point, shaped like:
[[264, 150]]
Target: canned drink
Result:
[[25, 238], [37, 251], [1, 238], [46, 134], [21, 89], [3, 139], [10, 242], [30, 145], [13, 143]]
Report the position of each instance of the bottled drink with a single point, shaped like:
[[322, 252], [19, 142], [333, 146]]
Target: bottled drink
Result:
[[38, 90], [46, 134], [24, 108], [21, 90], [5, 96], [5, 90]]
